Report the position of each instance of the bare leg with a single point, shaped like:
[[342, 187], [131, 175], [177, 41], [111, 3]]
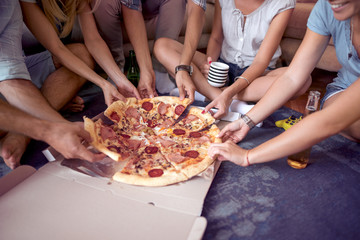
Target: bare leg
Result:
[[258, 88], [353, 131], [12, 147], [62, 85], [168, 52]]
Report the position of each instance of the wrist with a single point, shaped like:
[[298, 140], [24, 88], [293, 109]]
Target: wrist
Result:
[[248, 121], [185, 68], [247, 158]]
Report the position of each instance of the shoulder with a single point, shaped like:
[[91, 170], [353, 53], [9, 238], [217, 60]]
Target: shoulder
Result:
[[321, 18], [280, 6]]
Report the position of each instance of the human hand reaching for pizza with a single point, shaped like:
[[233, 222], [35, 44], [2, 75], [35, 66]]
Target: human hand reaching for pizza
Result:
[[67, 138], [235, 131], [222, 103], [228, 151], [127, 89], [146, 86], [111, 94], [185, 85]]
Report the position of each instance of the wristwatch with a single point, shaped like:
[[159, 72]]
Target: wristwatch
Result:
[[248, 121], [187, 68]]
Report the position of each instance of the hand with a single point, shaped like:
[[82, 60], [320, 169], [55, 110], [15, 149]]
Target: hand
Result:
[[67, 139], [235, 131], [185, 85], [228, 151], [222, 103], [205, 68], [111, 94], [146, 86], [127, 89]]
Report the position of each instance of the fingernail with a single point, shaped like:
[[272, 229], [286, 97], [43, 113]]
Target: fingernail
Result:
[[210, 62], [203, 111]]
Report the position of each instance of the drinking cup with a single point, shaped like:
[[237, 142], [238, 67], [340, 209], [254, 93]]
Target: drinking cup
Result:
[[218, 74]]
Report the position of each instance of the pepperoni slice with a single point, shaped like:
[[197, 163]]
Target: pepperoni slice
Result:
[[150, 123], [125, 136], [195, 135], [192, 154], [147, 106], [151, 150], [179, 131], [179, 109], [156, 172], [115, 117]]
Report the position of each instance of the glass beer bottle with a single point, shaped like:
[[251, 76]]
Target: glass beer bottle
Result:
[[133, 73], [301, 159]]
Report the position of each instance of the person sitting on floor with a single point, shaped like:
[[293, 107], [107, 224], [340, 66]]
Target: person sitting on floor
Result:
[[185, 52], [17, 88], [155, 18], [245, 35], [56, 20], [339, 112]]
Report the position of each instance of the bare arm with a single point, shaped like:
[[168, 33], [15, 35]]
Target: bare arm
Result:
[[311, 130], [314, 128], [304, 62], [101, 53], [34, 17], [65, 137], [258, 66], [195, 23], [135, 28]]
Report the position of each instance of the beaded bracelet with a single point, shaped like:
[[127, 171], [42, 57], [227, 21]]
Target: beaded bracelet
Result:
[[247, 81]]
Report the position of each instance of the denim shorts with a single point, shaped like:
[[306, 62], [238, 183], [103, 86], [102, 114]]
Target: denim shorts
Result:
[[331, 90], [235, 70], [40, 66]]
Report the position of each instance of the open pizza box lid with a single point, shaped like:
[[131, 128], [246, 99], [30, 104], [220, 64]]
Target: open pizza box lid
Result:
[[56, 202]]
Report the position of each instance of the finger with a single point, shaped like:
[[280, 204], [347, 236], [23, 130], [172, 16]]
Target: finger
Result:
[[150, 91], [208, 107], [209, 59], [136, 93], [86, 154], [219, 114], [191, 94], [181, 93]]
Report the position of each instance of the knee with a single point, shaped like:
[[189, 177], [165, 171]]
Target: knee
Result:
[[160, 47], [80, 50]]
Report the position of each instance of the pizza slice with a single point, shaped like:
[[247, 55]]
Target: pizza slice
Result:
[[149, 168], [161, 112], [190, 161], [106, 140], [125, 114], [195, 120]]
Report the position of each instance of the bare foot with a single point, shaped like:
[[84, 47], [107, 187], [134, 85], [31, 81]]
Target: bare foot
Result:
[[75, 105], [12, 147]]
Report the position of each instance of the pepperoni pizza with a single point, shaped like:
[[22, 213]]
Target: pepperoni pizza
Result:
[[158, 148]]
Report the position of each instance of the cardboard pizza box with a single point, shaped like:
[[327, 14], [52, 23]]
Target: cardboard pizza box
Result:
[[56, 202]]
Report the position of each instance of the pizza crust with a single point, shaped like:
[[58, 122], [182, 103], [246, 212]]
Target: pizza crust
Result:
[[129, 129], [166, 179], [91, 127]]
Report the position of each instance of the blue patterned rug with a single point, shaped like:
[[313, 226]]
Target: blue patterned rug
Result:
[[275, 201]]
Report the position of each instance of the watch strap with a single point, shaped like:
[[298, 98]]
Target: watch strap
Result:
[[248, 121], [187, 68]]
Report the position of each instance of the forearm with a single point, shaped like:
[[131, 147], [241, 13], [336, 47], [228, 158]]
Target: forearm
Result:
[[102, 55], [136, 30], [195, 23], [15, 120]]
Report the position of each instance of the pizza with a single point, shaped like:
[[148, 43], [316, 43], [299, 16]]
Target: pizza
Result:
[[159, 141]]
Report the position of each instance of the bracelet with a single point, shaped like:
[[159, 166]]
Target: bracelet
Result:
[[187, 68], [248, 121], [247, 157], [247, 81]]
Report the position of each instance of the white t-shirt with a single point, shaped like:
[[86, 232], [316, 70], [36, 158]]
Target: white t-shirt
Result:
[[241, 43]]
